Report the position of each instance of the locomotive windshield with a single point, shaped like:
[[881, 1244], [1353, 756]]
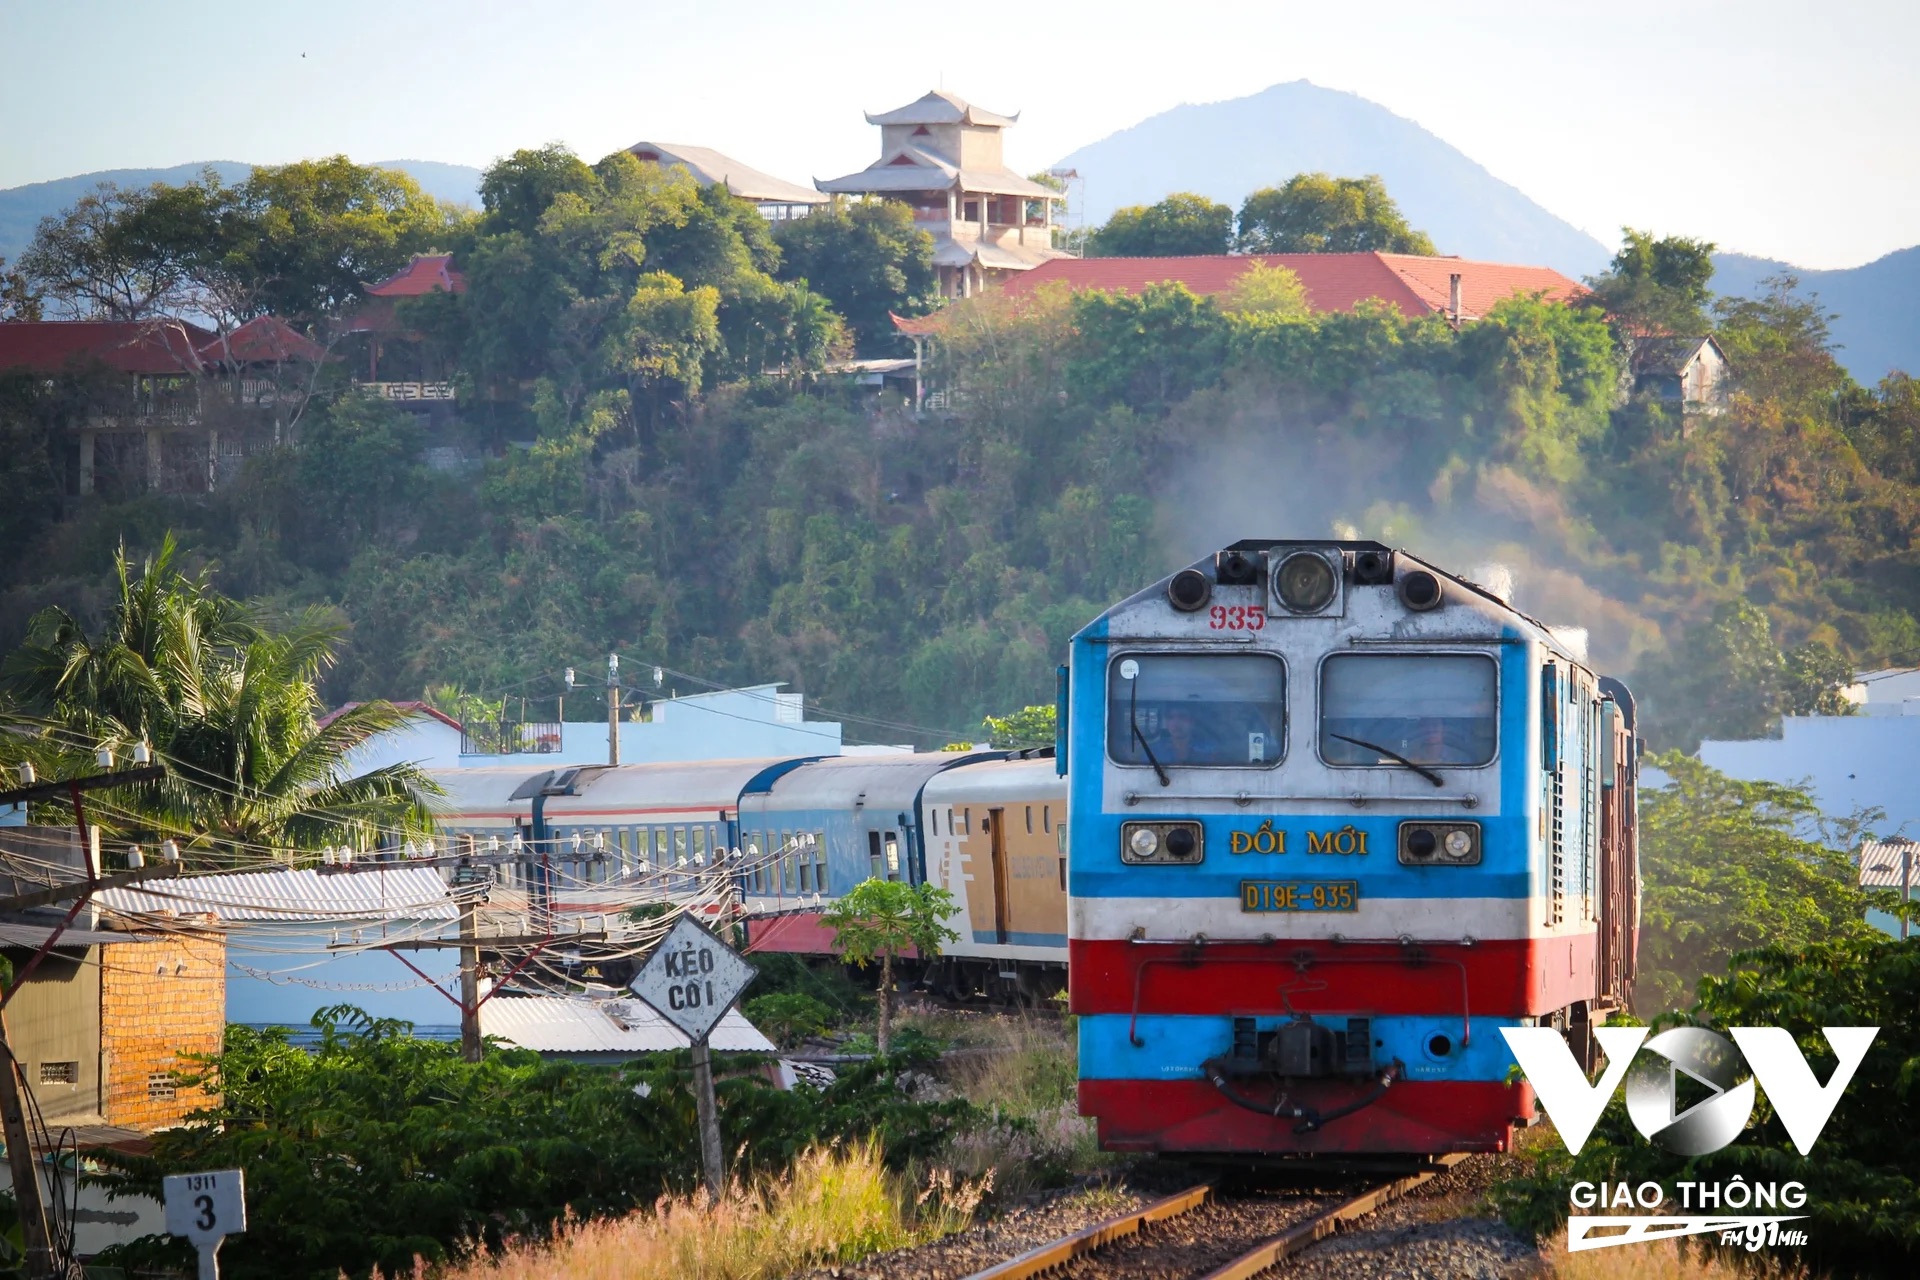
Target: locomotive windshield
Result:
[[1213, 710], [1429, 709]]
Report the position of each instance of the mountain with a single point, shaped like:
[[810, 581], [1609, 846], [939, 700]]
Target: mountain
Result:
[[21, 208], [1225, 150], [1877, 305]]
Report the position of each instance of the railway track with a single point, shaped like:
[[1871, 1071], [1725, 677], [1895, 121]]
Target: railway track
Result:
[[1207, 1233]]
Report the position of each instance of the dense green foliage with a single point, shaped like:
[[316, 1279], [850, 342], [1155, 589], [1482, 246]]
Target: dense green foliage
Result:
[[1183, 223], [292, 240], [1752, 917], [227, 701], [666, 474], [376, 1146], [1727, 866], [1315, 213], [1863, 1200], [868, 260]]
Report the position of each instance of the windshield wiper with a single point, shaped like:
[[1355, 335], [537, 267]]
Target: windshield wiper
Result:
[[1133, 722], [1396, 757]]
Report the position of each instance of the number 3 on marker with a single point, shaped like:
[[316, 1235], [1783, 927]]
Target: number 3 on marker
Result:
[[205, 1205]]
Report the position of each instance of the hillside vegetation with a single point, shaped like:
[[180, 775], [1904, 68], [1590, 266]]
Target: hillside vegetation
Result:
[[669, 475]]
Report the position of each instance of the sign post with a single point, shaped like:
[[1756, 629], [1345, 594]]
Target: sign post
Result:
[[206, 1208], [692, 979]]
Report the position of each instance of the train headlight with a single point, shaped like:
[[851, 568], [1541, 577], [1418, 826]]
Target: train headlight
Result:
[[1305, 582], [1429, 844], [1179, 844]]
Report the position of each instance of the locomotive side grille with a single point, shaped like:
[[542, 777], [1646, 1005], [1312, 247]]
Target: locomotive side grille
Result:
[[1557, 849]]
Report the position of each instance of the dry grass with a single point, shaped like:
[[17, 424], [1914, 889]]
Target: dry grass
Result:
[[832, 1206], [1662, 1260], [1022, 1070]]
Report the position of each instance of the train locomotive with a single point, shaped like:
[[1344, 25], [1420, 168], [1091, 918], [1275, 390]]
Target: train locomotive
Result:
[[1337, 816]]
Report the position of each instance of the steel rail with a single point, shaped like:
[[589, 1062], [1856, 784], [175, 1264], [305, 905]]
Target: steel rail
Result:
[[1272, 1252], [1034, 1262]]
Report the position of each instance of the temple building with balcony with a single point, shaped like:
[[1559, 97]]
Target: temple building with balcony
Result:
[[942, 156]]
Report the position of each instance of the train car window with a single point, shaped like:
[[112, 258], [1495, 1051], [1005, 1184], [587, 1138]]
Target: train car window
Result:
[[1060, 834], [966, 822], [1212, 710], [1046, 818], [1431, 708], [679, 846], [893, 855], [789, 865], [806, 871], [873, 854], [699, 844], [662, 852], [1029, 819], [936, 822], [820, 861]]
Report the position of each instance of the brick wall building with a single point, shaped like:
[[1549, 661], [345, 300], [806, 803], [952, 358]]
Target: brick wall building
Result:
[[100, 1027], [160, 997]]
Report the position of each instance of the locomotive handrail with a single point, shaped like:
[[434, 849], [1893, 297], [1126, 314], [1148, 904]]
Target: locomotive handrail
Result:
[[1300, 963]]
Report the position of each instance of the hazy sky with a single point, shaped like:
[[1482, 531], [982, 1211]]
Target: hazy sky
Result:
[[1782, 129]]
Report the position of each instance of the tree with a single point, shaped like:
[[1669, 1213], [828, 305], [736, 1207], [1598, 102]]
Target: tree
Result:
[[1728, 865], [1728, 679], [867, 258], [229, 704], [1657, 286], [883, 918], [1316, 213], [1263, 290], [1181, 224], [19, 298], [1028, 727], [1146, 349], [120, 254], [324, 227], [517, 192]]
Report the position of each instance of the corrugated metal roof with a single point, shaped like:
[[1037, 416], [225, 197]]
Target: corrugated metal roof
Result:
[[1880, 863], [559, 1024], [13, 934], [399, 893]]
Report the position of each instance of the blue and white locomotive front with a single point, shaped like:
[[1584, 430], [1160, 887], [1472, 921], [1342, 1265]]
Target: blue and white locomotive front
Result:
[[1335, 817]]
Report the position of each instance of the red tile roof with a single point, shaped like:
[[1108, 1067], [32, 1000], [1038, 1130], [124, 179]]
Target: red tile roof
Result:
[[263, 340], [1333, 281], [426, 273], [128, 346]]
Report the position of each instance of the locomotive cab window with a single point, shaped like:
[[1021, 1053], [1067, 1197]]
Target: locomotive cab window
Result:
[[1425, 709], [1204, 710]]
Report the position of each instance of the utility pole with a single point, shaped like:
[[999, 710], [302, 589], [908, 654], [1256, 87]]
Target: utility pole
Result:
[[1906, 883], [470, 1047], [26, 1172], [34, 1235], [613, 708]]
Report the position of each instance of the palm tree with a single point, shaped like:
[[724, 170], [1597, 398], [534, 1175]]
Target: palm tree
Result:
[[229, 704]]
